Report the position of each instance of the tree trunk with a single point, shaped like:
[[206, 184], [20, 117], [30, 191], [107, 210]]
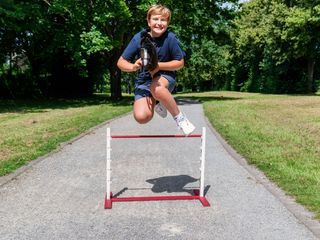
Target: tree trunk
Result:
[[115, 77], [92, 67], [310, 83], [10, 65]]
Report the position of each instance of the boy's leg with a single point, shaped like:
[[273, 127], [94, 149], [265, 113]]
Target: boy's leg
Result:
[[160, 91], [143, 109], [160, 109]]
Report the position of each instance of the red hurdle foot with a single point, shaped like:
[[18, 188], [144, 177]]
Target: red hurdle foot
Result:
[[108, 202], [203, 200]]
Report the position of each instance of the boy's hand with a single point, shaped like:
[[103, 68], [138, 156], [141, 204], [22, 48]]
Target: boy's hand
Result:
[[137, 65]]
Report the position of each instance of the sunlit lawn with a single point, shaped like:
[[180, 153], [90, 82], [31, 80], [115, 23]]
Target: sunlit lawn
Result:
[[29, 129], [280, 134]]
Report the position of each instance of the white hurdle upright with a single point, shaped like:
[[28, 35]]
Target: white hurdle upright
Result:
[[203, 161], [108, 164], [198, 194]]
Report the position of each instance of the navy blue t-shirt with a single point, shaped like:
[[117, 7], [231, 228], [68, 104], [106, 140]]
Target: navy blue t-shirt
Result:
[[168, 49]]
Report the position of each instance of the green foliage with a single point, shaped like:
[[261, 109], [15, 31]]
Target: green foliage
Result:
[[94, 41], [205, 40], [67, 47], [278, 45], [207, 67], [67, 43]]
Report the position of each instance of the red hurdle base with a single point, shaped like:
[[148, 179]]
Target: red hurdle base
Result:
[[196, 196]]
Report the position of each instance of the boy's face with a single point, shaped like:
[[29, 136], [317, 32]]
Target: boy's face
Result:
[[158, 24]]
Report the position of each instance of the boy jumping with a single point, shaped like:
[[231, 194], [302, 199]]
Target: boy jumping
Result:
[[158, 83]]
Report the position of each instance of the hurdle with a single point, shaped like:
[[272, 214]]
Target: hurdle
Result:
[[198, 193]]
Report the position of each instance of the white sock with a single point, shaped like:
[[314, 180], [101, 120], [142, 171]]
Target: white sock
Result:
[[179, 117]]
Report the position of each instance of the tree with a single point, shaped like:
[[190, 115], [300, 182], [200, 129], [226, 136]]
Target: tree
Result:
[[278, 45], [203, 29], [69, 44]]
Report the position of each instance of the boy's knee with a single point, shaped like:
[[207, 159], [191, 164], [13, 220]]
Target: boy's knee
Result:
[[142, 118], [157, 91]]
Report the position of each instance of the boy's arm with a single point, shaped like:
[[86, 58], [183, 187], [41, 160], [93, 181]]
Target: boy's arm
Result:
[[126, 66], [172, 65]]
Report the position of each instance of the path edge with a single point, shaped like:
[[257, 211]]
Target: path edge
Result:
[[14, 175], [303, 215]]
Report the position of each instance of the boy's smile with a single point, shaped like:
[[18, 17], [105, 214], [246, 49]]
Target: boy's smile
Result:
[[158, 25]]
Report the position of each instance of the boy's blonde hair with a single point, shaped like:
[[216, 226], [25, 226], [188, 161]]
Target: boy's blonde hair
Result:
[[159, 9]]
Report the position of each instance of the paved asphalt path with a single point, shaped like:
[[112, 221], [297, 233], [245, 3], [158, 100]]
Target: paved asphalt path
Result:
[[62, 195]]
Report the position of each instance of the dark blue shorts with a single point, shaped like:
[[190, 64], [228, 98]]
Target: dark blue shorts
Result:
[[143, 90]]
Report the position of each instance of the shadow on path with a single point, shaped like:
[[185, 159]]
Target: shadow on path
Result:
[[168, 184], [171, 184]]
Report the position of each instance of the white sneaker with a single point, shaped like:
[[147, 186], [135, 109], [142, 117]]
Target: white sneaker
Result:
[[186, 126], [161, 110]]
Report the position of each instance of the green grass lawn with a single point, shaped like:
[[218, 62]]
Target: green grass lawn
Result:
[[29, 129], [280, 134]]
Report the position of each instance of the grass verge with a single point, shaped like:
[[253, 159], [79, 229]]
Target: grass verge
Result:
[[30, 129], [280, 134]]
